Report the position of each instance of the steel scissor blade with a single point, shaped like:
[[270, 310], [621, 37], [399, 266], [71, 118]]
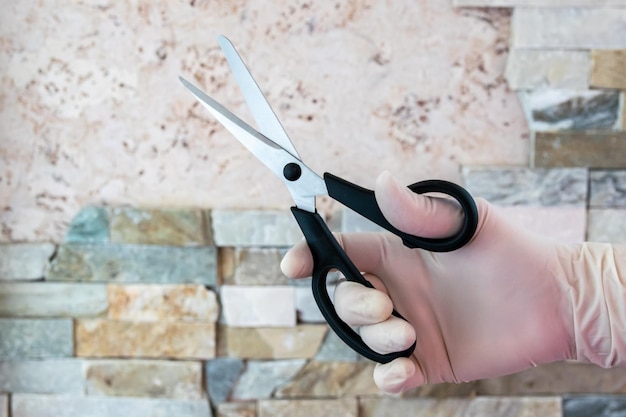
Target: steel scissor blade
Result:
[[262, 112]]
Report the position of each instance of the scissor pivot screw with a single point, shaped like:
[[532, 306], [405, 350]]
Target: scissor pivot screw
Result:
[[292, 171]]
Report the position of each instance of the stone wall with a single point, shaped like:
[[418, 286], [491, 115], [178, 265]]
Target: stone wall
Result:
[[176, 311]]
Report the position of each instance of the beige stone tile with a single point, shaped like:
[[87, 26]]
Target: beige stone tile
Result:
[[238, 409], [515, 407], [258, 306], [584, 149], [608, 69], [343, 407], [156, 302], [251, 266], [301, 341], [538, 68], [109, 338], [144, 378]]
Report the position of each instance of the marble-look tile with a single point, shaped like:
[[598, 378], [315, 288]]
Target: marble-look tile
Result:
[[49, 376], [262, 378], [567, 224], [539, 3], [540, 68], [607, 225], [169, 227], [134, 264], [578, 149], [551, 109], [255, 228], [24, 261], [327, 379], [569, 28], [607, 69], [90, 225], [237, 409], [258, 306], [607, 188], [221, 376], [52, 299], [512, 186], [340, 407], [156, 302], [594, 405], [143, 378], [300, 342], [252, 266], [30, 405], [36, 338], [109, 338]]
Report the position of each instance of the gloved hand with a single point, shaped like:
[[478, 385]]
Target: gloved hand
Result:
[[507, 301]]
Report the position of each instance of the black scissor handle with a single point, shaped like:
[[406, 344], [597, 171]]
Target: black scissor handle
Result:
[[363, 201], [328, 255]]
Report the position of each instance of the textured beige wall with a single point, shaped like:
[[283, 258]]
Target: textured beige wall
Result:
[[92, 112]]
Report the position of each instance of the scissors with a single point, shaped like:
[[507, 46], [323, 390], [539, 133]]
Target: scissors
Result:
[[272, 146]]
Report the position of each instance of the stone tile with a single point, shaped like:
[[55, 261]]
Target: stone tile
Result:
[[252, 266], [607, 225], [24, 261], [556, 379], [355, 223], [577, 149], [168, 227], [4, 405], [221, 376], [569, 28], [90, 225], [36, 338], [566, 224], [607, 189], [595, 405], [341, 407], [550, 110], [50, 376], [238, 409], [326, 379], [262, 378], [256, 306], [255, 228], [156, 302], [306, 307], [144, 378], [334, 349], [302, 341], [109, 338], [34, 405], [528, 69], [52, 299], [134, 264], [510, 186], [607, 69], [539, 3]]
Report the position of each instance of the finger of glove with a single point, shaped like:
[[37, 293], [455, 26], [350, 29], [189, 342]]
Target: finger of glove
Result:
[[417, 214], [391, 335], [358, 305], [399, 375]]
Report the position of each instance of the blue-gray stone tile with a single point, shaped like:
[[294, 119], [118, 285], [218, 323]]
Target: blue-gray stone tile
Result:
[[221, 376], [549, 110], [134, 263], [595, 406], [49, 376], [36, 338], [523, 186], [607, 188], [90, 225], [24, 261]]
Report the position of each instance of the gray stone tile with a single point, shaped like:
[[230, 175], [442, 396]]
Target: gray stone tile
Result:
[[24, 261], [261, 378], [255, 228], [549, 109], [135, 263], [90, 225], [596, 406], [333, 349], [49, 376], [510, 186], [36, 338], [607, 188], [31, 405], [221, 376], [355, 223], [4, 405], [52, 299], [569, 28], [538, 68], [607, 225]]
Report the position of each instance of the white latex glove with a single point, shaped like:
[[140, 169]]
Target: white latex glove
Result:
[[507, 301]]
